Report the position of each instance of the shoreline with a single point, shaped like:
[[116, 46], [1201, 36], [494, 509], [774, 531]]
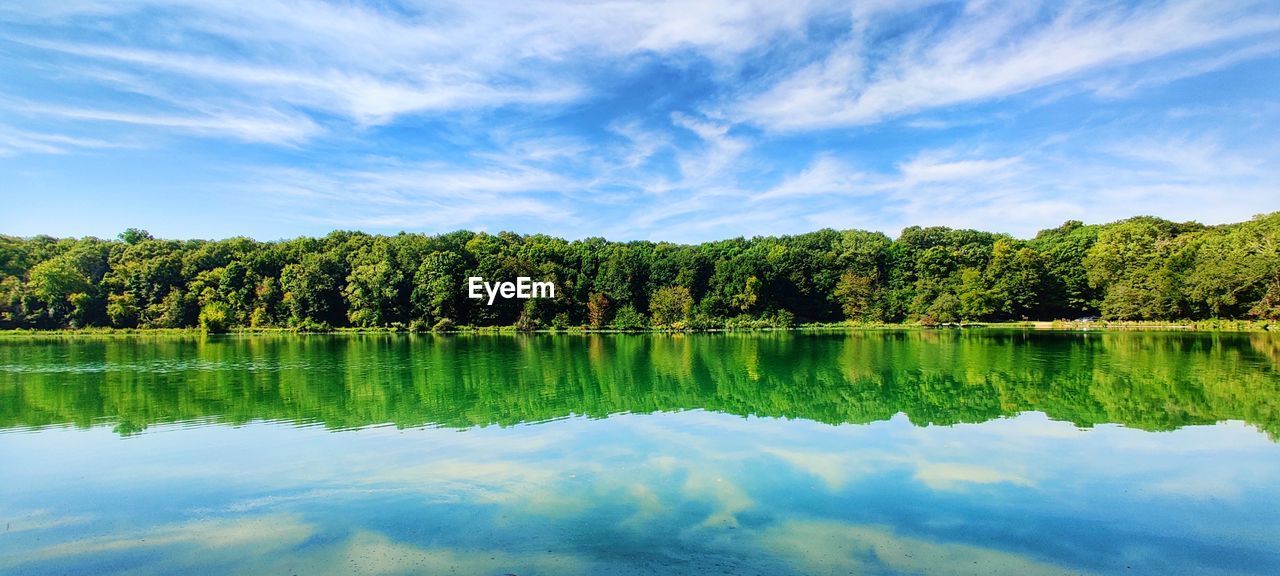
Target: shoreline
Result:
[[1217, 326]]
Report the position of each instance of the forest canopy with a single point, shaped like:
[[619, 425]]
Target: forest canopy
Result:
[[1142, 268]]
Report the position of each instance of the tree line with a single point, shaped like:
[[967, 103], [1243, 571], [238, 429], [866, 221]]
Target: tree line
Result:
[[1142, 268]]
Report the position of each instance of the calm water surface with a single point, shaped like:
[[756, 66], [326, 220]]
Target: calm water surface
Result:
[[976, 452]]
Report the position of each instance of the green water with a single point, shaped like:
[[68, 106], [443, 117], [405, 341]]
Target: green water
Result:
[[908, 452]]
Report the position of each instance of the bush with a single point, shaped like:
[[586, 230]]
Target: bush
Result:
[[259, 318], [701, 321], [444, 325], [628, 319], [309, 325], [215, 317]]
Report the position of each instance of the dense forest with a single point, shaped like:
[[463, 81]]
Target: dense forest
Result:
[[1143, 268]]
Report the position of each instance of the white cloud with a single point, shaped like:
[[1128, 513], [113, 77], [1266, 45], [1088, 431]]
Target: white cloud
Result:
[[721, 149], [953, 476], [1128, 84], [365, 95], [1200, 158], [930, 167], [269, 126], [370, 65], [642, 143], [16, 141], [415, 197], [43, 519], [249, 536], [992, 51], [371, 552], [1090, 176], [858, 549], [688, 164], [1110, 179], [826, 175], [553, 182]]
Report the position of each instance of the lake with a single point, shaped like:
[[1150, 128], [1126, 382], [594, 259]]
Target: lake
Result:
[[862, 452]]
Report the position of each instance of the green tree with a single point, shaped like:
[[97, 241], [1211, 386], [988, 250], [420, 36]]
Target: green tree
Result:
[[1268, 307], [973, 299], [1129, 263], [13, 302], [750, 295], [122, 310], [945, 308], [372, 294], [1065, 291], [856, 294], [181, 309], [53, 282], [1016, 276], [313, 289], [1227, 268], [670, 306], [133, 236], [85, 309], [438, 287]]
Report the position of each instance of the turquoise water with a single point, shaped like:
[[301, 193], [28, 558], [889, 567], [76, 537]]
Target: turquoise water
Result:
[[822, 453]]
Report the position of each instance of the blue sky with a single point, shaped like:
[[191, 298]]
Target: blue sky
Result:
[[681, 121]]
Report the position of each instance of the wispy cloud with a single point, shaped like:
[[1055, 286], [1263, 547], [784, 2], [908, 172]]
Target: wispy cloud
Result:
[[930, 167], [661, 120], [15, 141], [826, 175], [1067, 177], [414, 197], [371, 65], [271, 126], [1129, 83], [720, 150], [992, 50]]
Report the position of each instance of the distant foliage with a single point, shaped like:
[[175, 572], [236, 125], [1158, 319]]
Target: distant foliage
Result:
[[1142, 268]]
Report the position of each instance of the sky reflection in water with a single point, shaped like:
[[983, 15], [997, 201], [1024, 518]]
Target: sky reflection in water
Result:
[[686, 491]]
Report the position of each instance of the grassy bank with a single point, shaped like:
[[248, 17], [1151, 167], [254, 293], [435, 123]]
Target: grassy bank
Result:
[[1100, 325]]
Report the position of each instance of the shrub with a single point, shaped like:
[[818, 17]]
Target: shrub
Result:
[[309, 325], [702, 321], [628, 319], [215, 317]]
